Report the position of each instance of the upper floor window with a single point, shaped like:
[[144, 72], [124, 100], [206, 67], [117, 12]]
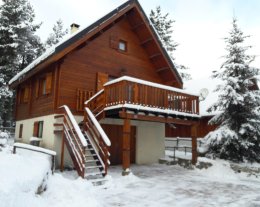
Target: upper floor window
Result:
[[122, 45], [43, 85]]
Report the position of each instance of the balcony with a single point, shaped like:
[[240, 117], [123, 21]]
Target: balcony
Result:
[[144, 96]]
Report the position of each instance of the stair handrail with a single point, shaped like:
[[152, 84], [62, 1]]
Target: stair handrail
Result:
[[94, 96], [98, 127], [75, 126]]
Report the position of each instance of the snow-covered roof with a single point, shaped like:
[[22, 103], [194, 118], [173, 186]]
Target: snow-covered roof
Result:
[[198, 85], [69, 39], [56, 48]]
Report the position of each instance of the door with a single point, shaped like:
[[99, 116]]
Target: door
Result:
[[115, 134], [102, 78]]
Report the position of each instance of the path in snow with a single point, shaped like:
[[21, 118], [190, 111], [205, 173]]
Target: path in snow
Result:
[[161, 185]]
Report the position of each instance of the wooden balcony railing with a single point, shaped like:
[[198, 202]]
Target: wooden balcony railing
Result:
[[127, 90]]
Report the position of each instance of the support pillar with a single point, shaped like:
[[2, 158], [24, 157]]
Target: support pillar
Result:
[[194, 144], [62, 153], [126, 147]]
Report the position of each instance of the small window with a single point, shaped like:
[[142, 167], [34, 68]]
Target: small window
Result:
[[20, 131], [122, 45], [38, 129]]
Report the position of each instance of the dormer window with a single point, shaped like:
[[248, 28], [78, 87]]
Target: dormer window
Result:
[[122, 45]]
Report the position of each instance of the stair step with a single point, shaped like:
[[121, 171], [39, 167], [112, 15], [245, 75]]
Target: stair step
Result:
[[90, 161], [57, 131], [58, 124], [89, 149], [93, 167], [91, 175], [58, 116], [92, 155]]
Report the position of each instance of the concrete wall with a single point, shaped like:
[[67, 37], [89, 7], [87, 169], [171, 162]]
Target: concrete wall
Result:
[[49, 139], [47, 136], [149, 138]]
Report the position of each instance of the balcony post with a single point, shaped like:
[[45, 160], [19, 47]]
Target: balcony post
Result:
[[194, 143], [126, 147]]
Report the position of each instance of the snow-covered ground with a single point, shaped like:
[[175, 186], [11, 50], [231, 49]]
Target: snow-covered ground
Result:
[[148, 185]]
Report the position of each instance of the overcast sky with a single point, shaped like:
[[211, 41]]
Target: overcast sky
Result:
[[199, 28]]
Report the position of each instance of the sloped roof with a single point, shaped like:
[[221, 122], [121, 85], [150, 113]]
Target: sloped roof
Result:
[[53, 54]]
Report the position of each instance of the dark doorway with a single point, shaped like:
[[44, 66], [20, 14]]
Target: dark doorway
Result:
[[115, 134]]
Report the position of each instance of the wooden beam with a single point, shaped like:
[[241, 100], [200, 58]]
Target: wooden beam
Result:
[[146, 41], [141, 117], [126, 146], [162, 69], [155, 55], [194, 144]]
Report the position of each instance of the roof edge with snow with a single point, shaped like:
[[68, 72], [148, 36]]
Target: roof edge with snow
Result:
[[53, 51]]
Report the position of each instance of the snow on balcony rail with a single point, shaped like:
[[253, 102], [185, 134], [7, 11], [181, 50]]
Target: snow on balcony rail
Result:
[[148, 83], [99, 128], [75, 125], [151, 109]]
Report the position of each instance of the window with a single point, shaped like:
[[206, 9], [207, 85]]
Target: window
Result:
[[20, 131], [24, 95], [122, 45], [43, 85], [38, 129]]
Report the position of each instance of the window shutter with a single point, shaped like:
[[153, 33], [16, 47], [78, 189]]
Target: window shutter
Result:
[[35, 129], [48, 82], [114, 42], [26, 94], [36, 88]]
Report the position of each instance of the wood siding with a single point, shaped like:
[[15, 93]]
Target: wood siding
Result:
[[37, 105], [80, 67], [178, 130]]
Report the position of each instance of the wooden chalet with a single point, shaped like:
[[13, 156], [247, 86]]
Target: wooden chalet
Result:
[[105, 93]]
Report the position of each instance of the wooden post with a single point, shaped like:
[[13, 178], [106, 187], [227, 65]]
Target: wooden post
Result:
[[62, 153], [194, 144], [126, 147]]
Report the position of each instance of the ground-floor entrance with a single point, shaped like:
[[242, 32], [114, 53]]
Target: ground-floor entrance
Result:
[[115, 134]]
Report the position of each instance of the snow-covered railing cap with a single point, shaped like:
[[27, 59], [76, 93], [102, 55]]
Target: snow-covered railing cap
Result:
[[99, 128], [75, 125], [148, 83], [93, 97]]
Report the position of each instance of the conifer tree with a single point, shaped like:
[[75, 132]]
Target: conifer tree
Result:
[[57, 35], [163, 26], [238, 136], [18, 44]]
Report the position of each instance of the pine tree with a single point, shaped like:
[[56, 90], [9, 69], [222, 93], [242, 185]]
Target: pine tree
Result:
[[57, 35], [163, 26], [18, 44], [238, 136]]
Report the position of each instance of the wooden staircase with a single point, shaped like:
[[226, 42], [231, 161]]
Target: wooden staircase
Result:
[[87, 144]]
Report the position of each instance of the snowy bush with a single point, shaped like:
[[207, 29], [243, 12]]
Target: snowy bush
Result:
[[4, 136]]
